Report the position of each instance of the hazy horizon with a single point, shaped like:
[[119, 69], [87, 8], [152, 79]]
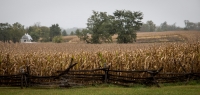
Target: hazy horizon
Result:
[[74, 13]]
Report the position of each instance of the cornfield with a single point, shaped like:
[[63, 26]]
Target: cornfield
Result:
[[45, 59]]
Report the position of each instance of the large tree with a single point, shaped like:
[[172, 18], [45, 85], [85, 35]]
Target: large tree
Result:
[[54, 31], [126, 24], [101, 26]]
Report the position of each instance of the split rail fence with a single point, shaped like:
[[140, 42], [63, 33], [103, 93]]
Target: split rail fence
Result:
[[69, 77]]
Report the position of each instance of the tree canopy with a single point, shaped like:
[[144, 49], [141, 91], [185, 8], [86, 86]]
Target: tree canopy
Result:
[[127, 23], [100, 25], [103, 26], [54, 31]]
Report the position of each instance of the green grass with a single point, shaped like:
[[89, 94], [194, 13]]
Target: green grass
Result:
[[105, 90]]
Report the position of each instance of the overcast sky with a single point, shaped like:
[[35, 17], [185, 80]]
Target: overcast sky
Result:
[[74, 13]]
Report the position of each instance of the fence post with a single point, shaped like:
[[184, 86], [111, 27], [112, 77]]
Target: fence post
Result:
[[22, 73], [105, 79], [106, 70], [22, 78], [7, 64], [28, 76], [21, 81], [152, 79]]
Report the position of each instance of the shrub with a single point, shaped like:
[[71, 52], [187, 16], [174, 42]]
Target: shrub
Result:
[[57, 39]]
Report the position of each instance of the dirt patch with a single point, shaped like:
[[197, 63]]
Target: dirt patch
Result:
[[160, 38], [71, 39]]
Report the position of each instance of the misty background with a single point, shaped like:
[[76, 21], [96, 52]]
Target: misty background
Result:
[[49, 20], [74, 13]]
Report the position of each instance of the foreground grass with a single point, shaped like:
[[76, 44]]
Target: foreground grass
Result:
[[113, 90]]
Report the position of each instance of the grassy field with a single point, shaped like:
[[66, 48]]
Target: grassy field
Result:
[[166, 90]]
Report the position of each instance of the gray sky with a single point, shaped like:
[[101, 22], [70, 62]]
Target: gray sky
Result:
[[74, 13]]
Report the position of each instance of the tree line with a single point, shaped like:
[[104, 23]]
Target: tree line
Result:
[[14, 32], [100, 28], [149, 26]]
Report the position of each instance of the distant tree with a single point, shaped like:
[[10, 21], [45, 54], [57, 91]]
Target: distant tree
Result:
[[186, 24], [127, 23], [17, 31], [72, 33], [36, 31], [191, 25], [164, 26], [64, 33], [144, 27], [5, 32], [35, 36], [151, 26], [39, 33], [45, 34], [54, 31], [77, 32], [158, 29], [198, 25]]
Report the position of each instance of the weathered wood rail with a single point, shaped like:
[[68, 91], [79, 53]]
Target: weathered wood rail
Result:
[[70, 77]]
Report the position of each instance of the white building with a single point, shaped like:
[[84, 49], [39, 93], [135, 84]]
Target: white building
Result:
[[26, 38]]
